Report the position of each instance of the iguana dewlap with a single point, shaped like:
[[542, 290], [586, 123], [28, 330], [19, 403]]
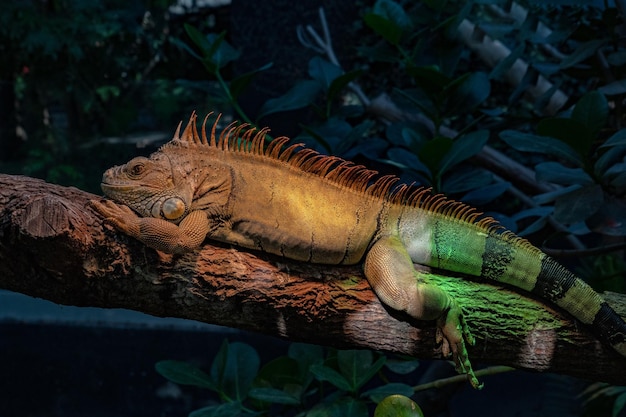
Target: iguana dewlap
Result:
[[308, 207]]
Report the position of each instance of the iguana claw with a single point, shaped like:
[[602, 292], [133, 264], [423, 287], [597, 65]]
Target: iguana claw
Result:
[[453, 333]]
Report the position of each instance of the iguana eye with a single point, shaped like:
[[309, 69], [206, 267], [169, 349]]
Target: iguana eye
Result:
[[136, 169], [173, 208]]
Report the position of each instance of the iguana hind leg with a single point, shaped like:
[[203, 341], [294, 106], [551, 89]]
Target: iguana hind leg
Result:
[[390, 272]]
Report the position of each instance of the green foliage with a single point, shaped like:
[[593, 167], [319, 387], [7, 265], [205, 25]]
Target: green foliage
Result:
[[591, 174], [305, 381]]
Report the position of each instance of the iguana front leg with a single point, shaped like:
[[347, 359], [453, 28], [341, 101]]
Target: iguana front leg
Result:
[[390, 272], [157, 233]]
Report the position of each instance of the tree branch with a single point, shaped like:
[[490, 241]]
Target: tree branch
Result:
[[52, 246]]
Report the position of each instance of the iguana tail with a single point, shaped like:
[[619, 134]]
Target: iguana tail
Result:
[[478, 248]]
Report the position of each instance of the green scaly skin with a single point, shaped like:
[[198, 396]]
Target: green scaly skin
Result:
[[298, 204]]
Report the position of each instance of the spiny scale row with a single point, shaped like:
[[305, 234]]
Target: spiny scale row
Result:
[[240, 137]]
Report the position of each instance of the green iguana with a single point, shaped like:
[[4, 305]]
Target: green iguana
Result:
[[294, 202]]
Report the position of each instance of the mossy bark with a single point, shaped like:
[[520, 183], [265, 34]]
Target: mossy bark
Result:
[[54, 247]]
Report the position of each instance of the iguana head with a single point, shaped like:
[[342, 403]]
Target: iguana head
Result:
[[149, 187]]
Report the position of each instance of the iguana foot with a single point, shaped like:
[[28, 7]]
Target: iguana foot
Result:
[[453, 333], [119, 216]]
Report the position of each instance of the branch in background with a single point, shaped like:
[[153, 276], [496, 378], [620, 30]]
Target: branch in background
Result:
[[52, 247]]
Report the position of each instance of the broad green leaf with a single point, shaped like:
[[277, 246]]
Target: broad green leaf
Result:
[[280, 371], [619, 404], [569, 131], [229, 409], [379, 393], [357, 367], [434, 151], [541, 213], [324, 373], [389, 30], [608, 159], [617, 139], [402, 365], [579, 204], [592, 110], [407, 160], [221, 52], [484, 195], [348, 407], [584, 51], [614, 88], [556, 173], [463, 148], [618, 184], [430, 78], [198, 38], [274, 396], [239, 83], [184, 373], [527, 142], [341, 82], [398, 406], [323, 71], [234, 369], [463, 180], [468, 94], [300, 95], [394, 12]]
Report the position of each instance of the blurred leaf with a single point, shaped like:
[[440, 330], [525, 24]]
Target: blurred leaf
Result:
[[468, 94], [395, 388], [302, 94], [239, 84], [407, 160], [569, 131], [357, 366], [461, 180], [617, 139], [584, 51], [527, 142], [386, 28], [229, 409], [556, 173], [341, 82], [184, 373], [394, 12], [324, 373], [614, 88], [592, 110], [542, 214], [429, 78], [323, 71], [579, 204], [234, 368], [463, 148], [198, 39], [484, 195], [274, 396], [434, 151]]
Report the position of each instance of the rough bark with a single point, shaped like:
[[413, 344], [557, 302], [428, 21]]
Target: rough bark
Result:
[[54, 247]]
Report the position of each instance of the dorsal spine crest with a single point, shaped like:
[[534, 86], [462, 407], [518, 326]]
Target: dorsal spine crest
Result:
[[246, 139]]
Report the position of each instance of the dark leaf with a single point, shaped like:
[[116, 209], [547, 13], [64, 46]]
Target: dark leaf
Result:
[[592, 110], [300, 95], [556, 173], [579, 204], [184, 373], [527, 142], [584, 51]]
